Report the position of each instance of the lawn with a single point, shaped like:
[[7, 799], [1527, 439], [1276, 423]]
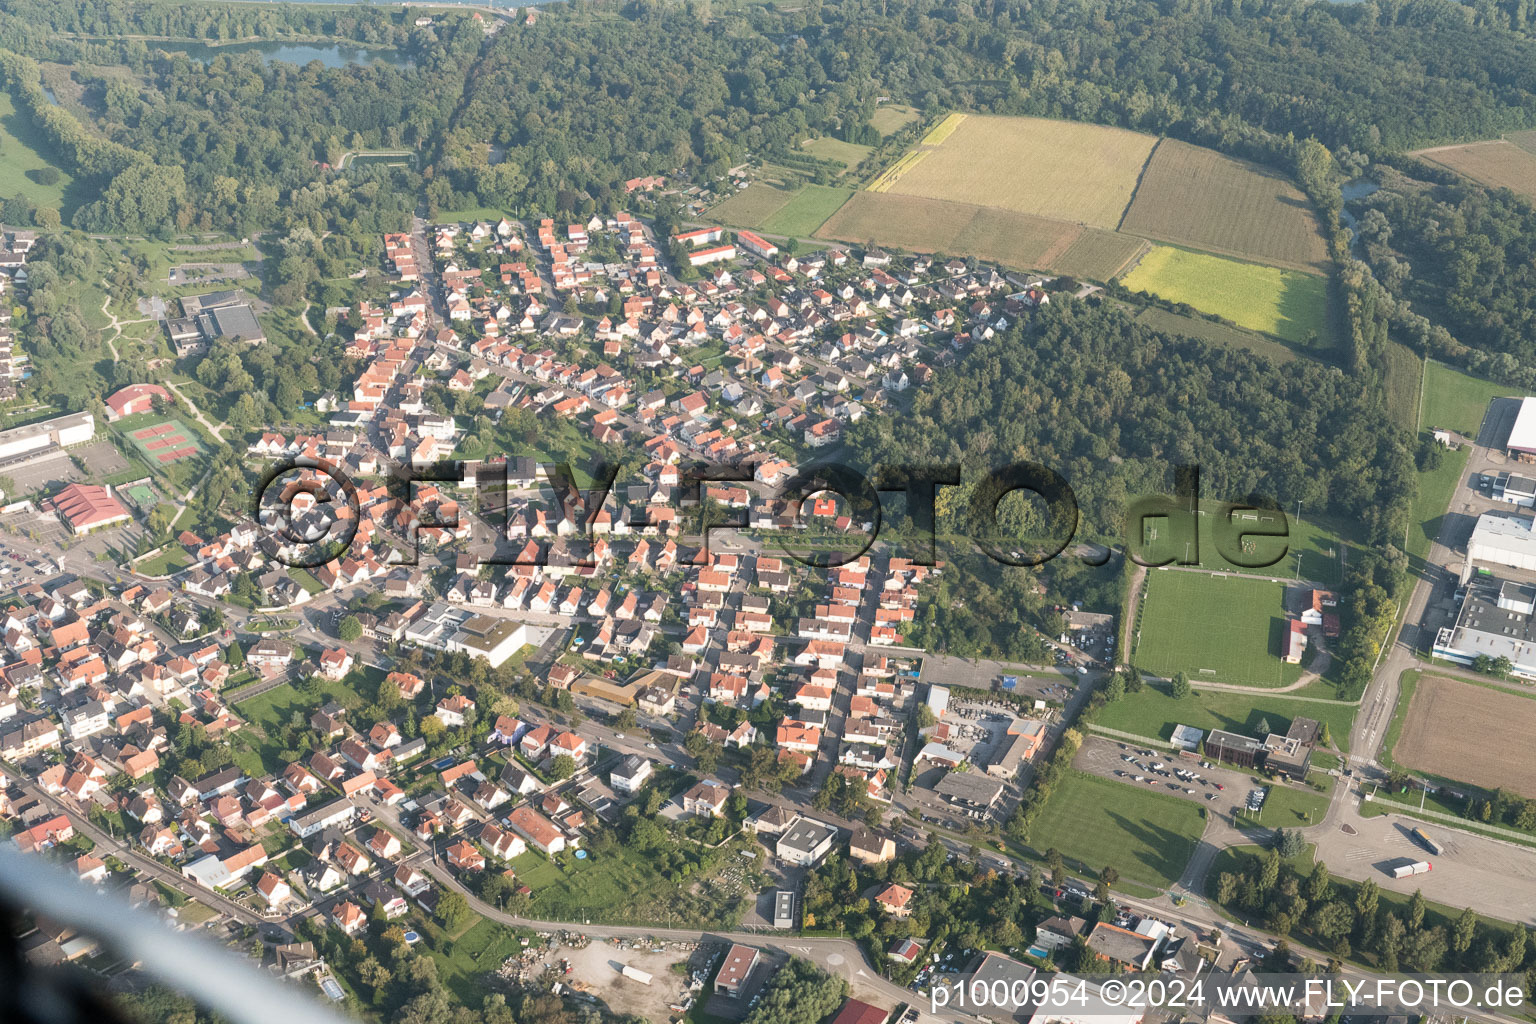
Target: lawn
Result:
[[1095, 822], [806, 211], [306, 579], [22, 157], [849, 154], [890, 118], [1081, 173], [1436, 489], [617, 885], [1289, 806], [752, 206], [1323, 551], [174, 557], [468, 958], [1219, 629], [273, 708], [1286, 303], [1153, 713], [1457, 401]]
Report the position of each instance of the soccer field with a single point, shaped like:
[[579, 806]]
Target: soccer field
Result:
[[1213, 628], [1146, 836]]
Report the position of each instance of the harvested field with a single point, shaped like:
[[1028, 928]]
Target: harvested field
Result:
[[1497, 163], [1059, 169], [1200, 198], [1470, 733], [1099, 255], [750, 208], [1525, 140], [930, 225]]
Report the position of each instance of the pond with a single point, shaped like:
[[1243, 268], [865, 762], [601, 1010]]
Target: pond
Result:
[[332, 55]]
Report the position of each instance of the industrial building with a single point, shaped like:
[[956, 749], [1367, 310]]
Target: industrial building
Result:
[[1496, 619], [46, 435], [1522, 436], [1502, 539]]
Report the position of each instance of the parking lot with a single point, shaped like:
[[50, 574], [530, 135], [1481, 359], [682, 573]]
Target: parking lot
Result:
[[1212, 786]]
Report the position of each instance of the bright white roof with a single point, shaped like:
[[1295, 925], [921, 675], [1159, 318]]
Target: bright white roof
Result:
[[1522, 437]]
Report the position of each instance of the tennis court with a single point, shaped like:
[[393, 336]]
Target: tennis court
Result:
[[140, 494], [166, 442]]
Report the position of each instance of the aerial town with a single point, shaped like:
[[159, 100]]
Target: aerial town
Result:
[[743, 513]]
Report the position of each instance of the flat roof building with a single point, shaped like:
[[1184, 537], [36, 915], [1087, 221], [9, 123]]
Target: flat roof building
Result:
[[970, 789], [1522, 436], [1235, 748], [1496, 619]]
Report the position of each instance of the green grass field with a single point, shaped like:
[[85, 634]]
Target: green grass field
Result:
[[890, 118], [1323, 550], [1289, 806], [750, 207], [849, 154], [1436, 489], [22, 157], [1152, 712], [1094, 822], [1457, 401], [1218, 629], [1217, 333], [807, 210], [1285, 303]]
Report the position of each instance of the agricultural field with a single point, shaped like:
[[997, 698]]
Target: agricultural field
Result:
[[1213, 628], [752, 206], [1497, 163], [849, 154], [1098, 255], [22, 163], [1470, 733], [1197, 197], [806, 211], [1064, 170], [890, 118], [1405, 373], [1153, 713], [1457, 401], [1146, 836], [1016, 240], [1286, 303]]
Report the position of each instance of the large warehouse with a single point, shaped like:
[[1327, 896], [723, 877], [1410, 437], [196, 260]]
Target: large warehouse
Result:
[[1502, 540], [59, 432], [1522, 436], [1497, 619]]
